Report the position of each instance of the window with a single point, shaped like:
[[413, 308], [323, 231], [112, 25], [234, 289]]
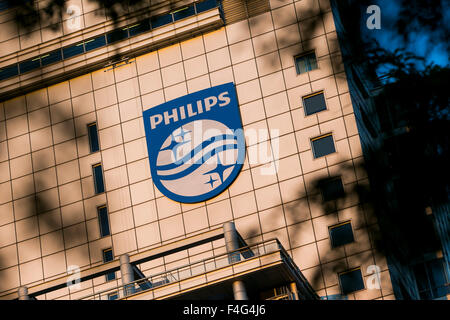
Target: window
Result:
[[323, 145], [205, 5], [113, 296], [183, 13], [9, 72], [117, 35], [103, 221], [431, 279], [29, 65], [95, 43], [98, 178], [73, 50], [331, 189], [107, 257], [93, 137], [351, 281], [341, 234], [51, 57], [314, 103], [305, 63], [160, 21], [139, 28]]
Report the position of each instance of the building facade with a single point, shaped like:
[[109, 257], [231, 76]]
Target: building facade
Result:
[[80, 215]]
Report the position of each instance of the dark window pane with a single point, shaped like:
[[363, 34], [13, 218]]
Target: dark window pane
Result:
[[113, 296], [351, 281], [205, 5], [98, 178], [314, 103], [139, 28], [323, 146], [183, 13], [4, 5], [9, 72], [93, 137], [103, 221], [29, 65], [160, 21], [117, 35], [437, 277], [331, 189], [51, 57], [341, 234], [95, 43], [108, 256], [73, 50], [305, 63]]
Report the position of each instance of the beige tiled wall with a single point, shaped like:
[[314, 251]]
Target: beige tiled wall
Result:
[[44, 153]]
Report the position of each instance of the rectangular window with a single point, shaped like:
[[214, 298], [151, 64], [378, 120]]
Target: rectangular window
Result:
[[107, 257], [103, 221], [323, 145], [305, 63], [98, 178], [160, 21], [117, 35], [9, 72], [139, 28], [183, 13], [30, 65], [431, 279], [351, 281], [93, 137], [95, 43], [341, 234], [314, 103], [205, 5], [113, 296], [74, 50], [51, 57], [331, 189]]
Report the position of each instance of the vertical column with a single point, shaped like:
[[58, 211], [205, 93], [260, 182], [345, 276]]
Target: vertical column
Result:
[[23, 293], [126, 271], [294, 291], [232, 244]]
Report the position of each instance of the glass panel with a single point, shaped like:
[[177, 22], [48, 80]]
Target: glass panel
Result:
[[205, 5], [323, 146], [51, 57], [73, 50], [98, 179], [95, 43], [312, 61], [437, 277], [9, 72], [93, 137], [141, 27], [103, 220], [160, 21], [351, 281], [314, 104], [29, 65], [341, 235], [184, 13], [306, 63], [117, 35]]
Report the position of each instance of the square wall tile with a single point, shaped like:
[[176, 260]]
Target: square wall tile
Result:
[[195, 220], [148, 235], [171, 227]]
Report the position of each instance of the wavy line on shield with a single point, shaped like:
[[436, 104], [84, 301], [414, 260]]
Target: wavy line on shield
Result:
[[198, 163], [194, 151]]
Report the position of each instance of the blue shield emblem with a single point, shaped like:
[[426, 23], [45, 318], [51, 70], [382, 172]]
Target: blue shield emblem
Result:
[[195, 144]]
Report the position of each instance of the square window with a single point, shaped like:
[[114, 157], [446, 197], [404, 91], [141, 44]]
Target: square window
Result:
[[51, 57], [351, 281], [323, 145], [98, 178], [73, 50], [95, 43], [332, 189], [306, 63], [93, 137], [113, 295], [183, 13], [160, 21], [103, 221], [117, 35], [139, 28], [29, 65], [341, 234], [314, 103]]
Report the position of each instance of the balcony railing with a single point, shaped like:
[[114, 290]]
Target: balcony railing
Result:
[[196, 269]]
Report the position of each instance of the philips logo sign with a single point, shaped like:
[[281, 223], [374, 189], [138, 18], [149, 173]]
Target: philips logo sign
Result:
[[195, 144]]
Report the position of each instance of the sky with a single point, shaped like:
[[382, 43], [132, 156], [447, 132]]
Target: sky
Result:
[[420, 43]]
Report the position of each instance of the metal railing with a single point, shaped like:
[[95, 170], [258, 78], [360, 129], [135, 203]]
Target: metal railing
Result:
[[190, 270]]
